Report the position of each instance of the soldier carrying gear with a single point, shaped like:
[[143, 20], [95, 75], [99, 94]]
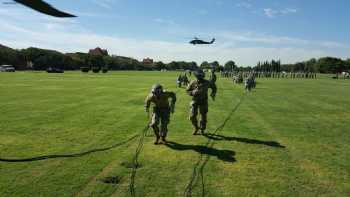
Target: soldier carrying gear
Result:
[[185, 80], [161, 111], [250, 83], [198, 89]]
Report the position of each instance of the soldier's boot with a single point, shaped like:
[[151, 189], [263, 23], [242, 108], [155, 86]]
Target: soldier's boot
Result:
[[194, 125], [203, 123], [156, 132], [195, 130], [202, 130], [163, 134], [157, 140], [163, 140]]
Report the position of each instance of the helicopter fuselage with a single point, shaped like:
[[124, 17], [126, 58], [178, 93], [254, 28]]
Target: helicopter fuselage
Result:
[[197, 41]]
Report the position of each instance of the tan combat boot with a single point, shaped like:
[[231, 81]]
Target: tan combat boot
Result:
[[163, 140]]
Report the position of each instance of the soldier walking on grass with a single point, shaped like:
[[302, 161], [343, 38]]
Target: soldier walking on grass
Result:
[[250, 83], [198, 89], [161, 111], [185, 80]]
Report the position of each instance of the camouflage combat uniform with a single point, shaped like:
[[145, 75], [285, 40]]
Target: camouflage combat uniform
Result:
[[161, 112], [198, 89]]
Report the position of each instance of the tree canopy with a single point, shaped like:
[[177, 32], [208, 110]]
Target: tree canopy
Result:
[[41, 59]]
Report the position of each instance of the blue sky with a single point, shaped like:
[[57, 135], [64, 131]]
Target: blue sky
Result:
[[247, 31]]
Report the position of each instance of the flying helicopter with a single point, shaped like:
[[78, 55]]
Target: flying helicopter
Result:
[[199, 41], [43, 7]]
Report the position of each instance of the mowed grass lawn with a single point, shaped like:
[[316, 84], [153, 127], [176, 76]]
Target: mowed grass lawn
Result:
[[286, 138]]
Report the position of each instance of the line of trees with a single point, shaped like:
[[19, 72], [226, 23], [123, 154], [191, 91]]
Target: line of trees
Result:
[[41, 59], [321, 65], [267, 66]]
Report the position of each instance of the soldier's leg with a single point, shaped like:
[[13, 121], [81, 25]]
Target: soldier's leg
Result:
[[154, 124], [203, 110], [193, 117], [165, 119]]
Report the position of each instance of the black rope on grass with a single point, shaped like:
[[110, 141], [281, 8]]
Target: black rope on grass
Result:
[[45, 157], [135, 161], [203, 160]]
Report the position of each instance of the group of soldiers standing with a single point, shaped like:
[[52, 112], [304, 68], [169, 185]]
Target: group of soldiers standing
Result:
[[343, 75], [182, 80], [197, 89], [291, 75], [247, 78]]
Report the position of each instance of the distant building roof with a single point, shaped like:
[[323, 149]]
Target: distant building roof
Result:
[[147, 60], [98, 51]]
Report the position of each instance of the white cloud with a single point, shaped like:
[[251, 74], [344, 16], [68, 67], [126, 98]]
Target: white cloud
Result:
[[165, 51], [245, 48], [288, 11], [271, 13], [279, 40]]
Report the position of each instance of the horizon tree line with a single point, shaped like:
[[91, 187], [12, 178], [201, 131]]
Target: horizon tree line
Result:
[[41, 59]]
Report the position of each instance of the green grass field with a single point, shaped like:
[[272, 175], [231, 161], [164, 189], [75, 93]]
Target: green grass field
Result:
[[286, 138]]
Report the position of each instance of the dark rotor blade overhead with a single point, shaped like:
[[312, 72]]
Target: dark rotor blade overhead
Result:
[[43, 7]]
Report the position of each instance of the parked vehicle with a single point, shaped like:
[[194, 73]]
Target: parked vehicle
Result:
[[7, 68], [54, 70]]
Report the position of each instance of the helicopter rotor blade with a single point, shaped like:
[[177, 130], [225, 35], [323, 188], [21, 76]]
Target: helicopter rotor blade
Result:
[[43, 7]]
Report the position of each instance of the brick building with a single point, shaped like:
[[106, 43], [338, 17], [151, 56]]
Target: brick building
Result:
[[98, 51]]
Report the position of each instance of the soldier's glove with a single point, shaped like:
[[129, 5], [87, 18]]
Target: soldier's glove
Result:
[[212, 96]]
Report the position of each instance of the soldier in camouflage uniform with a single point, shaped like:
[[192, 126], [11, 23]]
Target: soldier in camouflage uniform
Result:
[[185, 80], [198, 89], [161, 111], [250, 83]]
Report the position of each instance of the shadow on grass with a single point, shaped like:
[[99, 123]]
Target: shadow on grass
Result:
[[244, 140], [224, 155], [45, 157], [198, 169]]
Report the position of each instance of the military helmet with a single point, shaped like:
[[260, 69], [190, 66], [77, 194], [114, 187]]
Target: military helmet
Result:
[[157, 89], [199, 74]]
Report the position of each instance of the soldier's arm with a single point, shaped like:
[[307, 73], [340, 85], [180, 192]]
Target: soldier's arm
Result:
[[148, 102], [172, 96], [213, 89]]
